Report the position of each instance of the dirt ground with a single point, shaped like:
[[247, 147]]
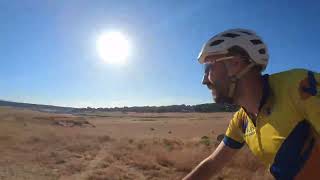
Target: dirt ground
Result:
[[114, 146]]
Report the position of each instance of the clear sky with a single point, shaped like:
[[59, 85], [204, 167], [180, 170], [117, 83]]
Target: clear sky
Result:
[[48, 48]]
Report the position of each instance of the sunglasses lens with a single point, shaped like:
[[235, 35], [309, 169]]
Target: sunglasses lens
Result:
[[205, 80], [207, 68]]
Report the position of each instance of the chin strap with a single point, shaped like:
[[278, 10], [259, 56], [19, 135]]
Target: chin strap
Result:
[[234, 79]]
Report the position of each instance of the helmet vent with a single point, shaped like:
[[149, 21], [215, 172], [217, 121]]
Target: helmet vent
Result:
[[214, 43], [262, 51], [245, 32], [231, 35], [256, 41]]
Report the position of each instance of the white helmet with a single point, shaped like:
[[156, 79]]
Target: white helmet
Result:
[[245, 39]]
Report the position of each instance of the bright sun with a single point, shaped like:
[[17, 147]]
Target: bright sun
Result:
[[113, 47]]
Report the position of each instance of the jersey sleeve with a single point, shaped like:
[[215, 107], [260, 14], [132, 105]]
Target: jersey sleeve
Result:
[[307, 97], [234, 136]]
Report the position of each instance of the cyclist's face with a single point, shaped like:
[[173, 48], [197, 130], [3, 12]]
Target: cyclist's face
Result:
[[216, 79]]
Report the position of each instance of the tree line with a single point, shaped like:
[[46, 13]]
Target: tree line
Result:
[[208, 107]]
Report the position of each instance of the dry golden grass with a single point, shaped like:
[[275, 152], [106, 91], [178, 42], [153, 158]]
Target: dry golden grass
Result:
[[122, 146]]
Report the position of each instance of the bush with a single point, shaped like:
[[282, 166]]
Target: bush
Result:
[[205, 140]]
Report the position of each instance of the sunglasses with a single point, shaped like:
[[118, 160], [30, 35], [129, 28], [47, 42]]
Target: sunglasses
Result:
[[208, 64]]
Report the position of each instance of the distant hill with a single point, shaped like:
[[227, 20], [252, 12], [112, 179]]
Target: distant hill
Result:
[[209, 107], [37, 107]]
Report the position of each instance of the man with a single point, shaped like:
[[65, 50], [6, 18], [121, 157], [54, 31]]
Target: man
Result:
[[279, 118]]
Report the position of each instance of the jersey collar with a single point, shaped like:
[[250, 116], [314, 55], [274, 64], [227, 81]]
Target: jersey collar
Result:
[[265, 90]]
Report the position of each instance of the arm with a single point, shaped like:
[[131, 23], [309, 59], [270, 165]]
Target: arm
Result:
[[307, 98], [212, 164]]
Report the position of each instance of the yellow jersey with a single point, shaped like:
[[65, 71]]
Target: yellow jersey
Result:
[[285, 132]]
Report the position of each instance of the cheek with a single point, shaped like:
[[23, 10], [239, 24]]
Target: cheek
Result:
[[215, 77], [220, 83], [218, 77], [211, 77]]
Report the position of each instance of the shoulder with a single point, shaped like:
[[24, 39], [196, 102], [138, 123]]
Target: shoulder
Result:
[[234, 134], [293, 75], [289, 75], [239, 118], [296, 83], [241, 112]]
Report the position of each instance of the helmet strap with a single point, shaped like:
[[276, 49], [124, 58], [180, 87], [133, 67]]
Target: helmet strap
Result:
[[235, 78]]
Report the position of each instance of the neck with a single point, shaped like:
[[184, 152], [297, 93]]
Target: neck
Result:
[[249, 92]]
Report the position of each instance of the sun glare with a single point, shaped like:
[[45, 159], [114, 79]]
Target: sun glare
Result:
[[113, 47]]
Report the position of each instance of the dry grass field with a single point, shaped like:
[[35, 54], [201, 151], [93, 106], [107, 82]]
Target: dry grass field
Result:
[[114, 146]]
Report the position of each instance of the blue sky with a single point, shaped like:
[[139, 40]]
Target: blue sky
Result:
[[48, 53]]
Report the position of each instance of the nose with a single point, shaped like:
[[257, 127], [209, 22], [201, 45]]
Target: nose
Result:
[[206, 81]]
